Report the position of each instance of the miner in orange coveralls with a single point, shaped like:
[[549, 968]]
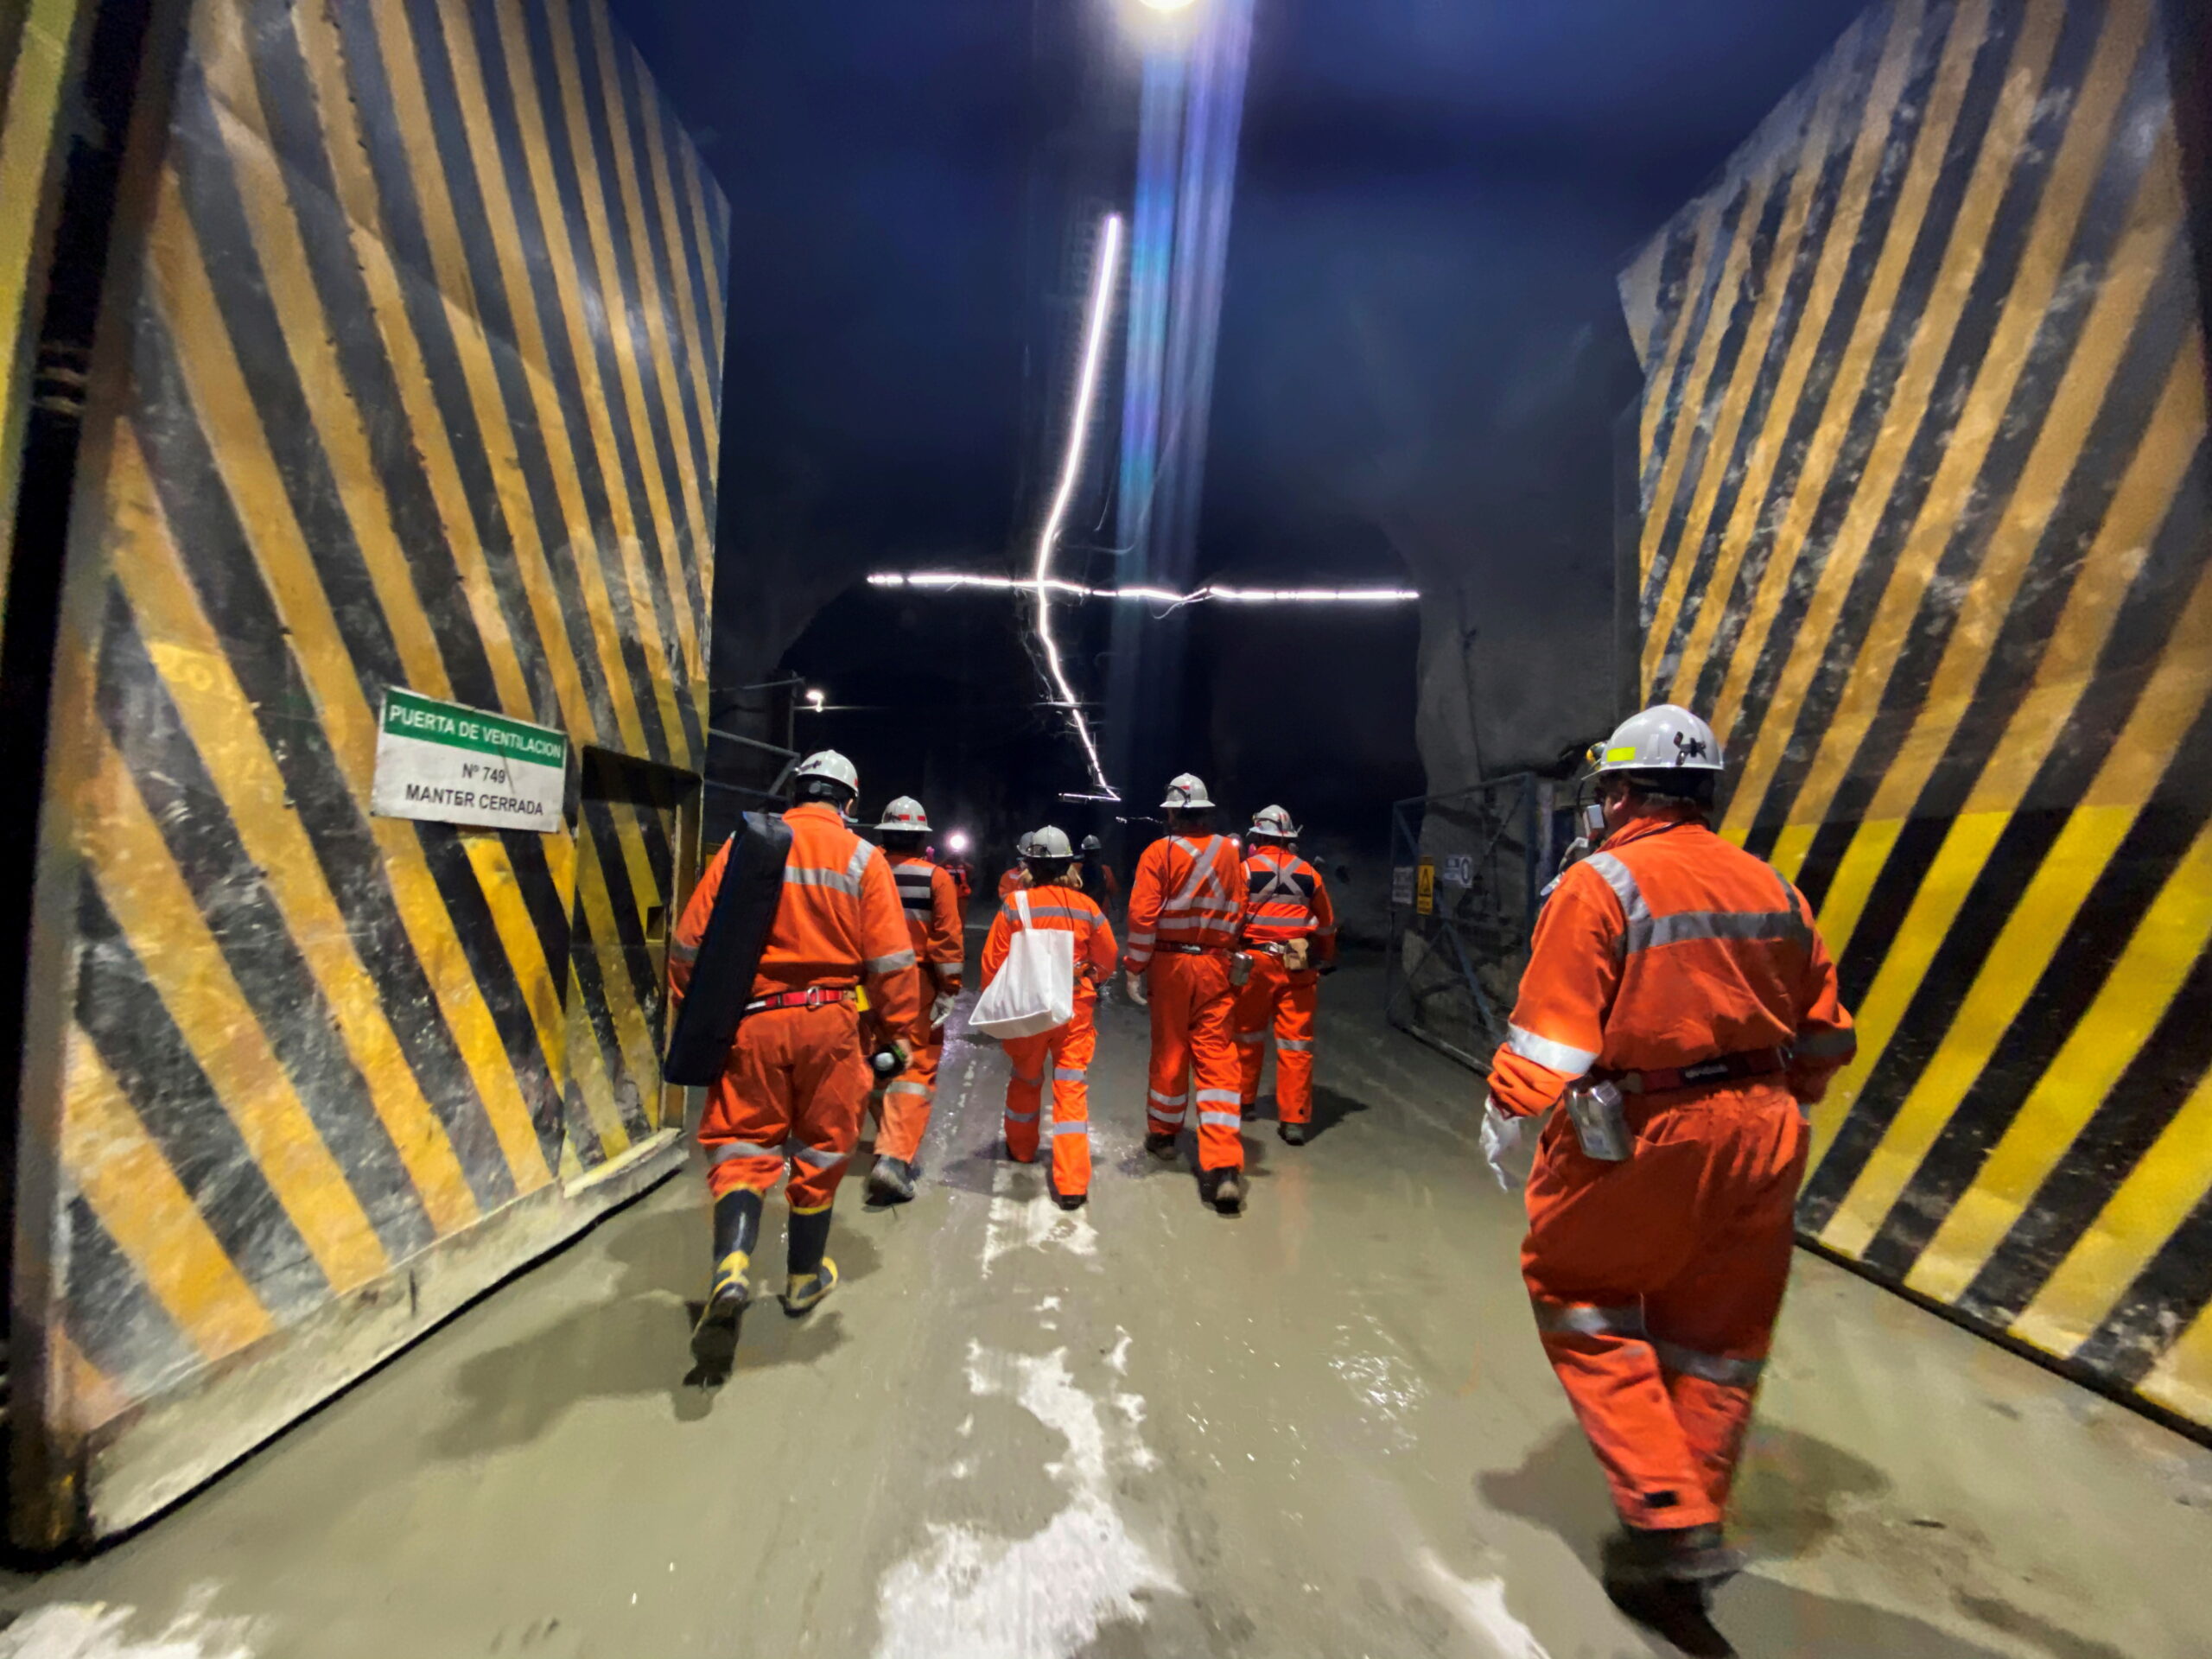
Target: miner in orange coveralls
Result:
[[1066, 1050], [1017, 874], [1680, 998], [935, 924], [1186, 908], [797, 1081], [1290, 928]]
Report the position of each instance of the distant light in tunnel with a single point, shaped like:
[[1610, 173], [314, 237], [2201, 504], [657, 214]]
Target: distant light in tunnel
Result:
[[1104, 279], [816, 699], [946, 581]]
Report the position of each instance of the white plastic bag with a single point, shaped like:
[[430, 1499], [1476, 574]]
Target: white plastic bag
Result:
[[1035, 990]]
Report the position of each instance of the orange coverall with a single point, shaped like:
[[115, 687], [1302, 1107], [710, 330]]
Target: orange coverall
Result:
[[1067, 1049], [1656, 1280], [1287, 900], [934, 923], [797, 1082], [1185, 907], [1016, 877]]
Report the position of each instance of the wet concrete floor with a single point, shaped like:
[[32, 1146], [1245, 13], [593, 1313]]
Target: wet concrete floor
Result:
[[1323, 1429]]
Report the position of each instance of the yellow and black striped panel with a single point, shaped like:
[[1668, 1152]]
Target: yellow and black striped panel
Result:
[[423, 382], [626, 885], [39, 43], [1925, 535]]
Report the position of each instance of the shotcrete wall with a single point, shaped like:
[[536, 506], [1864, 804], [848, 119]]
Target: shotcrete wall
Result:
[[1921, 472], [410, 377]]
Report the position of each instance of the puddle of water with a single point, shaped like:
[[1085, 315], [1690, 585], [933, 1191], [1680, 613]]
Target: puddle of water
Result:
[[72, 1630]]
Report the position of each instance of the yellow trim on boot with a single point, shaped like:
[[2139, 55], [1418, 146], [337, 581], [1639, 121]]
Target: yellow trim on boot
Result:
[[804, 1295], [735, 1269]]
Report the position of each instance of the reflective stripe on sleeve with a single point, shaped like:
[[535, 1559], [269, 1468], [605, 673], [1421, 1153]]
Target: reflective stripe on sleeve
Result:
[[1710, 1368], [1548, 1051], [921, 1088], [890, 964], [1586, 1319], [1825, 1046], [856, 866]]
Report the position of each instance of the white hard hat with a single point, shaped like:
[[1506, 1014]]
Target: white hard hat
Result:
[[1274, 821], [1664, 738], [1049, 843], [1022, 843], [905, 817], [827, 763], [1187, 794], [1092, 844]]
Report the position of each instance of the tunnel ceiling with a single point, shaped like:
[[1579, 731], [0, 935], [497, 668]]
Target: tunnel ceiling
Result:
[[1419, 317]]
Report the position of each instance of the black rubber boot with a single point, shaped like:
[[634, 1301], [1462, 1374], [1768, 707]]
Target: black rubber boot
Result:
[[737, 1232], [1663, 1579], [812, 1274], [1160, 1143], [1294, 1135], [1223, 1189]]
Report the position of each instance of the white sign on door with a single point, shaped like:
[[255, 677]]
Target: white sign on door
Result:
[[1459, 870], [444, 764]]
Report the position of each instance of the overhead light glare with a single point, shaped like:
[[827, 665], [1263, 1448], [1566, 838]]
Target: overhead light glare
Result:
[[943, 581]]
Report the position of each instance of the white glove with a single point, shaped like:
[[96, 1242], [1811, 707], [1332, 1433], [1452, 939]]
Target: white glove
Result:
[[1138, 994], [941, 1010], [1501, 1138]]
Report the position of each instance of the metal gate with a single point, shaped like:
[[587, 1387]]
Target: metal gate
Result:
[[1467, 868]]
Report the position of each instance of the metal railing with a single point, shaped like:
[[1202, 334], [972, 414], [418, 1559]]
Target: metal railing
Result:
[[1468, 868]]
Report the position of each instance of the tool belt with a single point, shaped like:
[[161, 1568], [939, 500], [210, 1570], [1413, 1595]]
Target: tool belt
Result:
[[814, 996], [1296, 955], [1194, 949], [1722, 1068]]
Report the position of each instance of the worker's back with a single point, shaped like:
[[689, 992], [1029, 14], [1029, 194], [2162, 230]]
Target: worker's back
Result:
[[831, 915]]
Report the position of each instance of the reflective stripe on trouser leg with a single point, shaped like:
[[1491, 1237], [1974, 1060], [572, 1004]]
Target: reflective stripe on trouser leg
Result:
[[1169, 1069], [907, 1103], [1072, 1049], [1026, 1061], [1254, 1008], [1611, 1375], [1213, 1061], [829, 1083], [1295, 1049]]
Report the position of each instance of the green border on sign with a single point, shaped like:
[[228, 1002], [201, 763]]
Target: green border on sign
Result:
[[458, 727]]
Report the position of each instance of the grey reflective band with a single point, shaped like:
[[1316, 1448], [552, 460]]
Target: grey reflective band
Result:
[[1295, 1045], [1062, 913], [1585, 1319], [1158, 1117], [729, 1149], [1549, 1052], [1175, 1100], [1825, 1046], [921, 1088], [1054, 1131], [817, 1158], [1646, 932], [1710, 1368], [1140, 939], [1328, 932], [803, 878], [856, 866], [1070, 1073], [1251, 1038], [679, 952], [890, 964], [1220, 1120], [1218, 1096], [1029, 1079], [1021, 1117]]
